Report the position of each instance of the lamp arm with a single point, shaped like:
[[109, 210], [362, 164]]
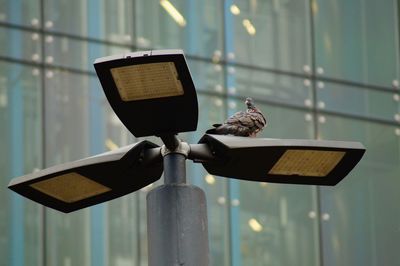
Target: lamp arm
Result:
[[200, 153]]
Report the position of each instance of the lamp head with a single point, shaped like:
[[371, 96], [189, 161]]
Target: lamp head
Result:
[[152, 92], [76, 185], [282, 161]]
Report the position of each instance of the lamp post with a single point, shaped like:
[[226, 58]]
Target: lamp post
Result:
[[177, 215], [153, 94]]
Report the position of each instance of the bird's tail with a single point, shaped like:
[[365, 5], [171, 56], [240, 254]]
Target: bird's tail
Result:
[[214, 130]]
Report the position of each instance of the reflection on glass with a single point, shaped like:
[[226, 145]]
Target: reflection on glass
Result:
[[362, 211], [21, 149], [206, 76], [351, 45], [19, 44], [25, 13], [263, 85], [270, 34], [123, 223], [109, 20], [68, 238], [193, 26], [275, 227], [216, 195], [77, 54], [358, 101], [67, 116]]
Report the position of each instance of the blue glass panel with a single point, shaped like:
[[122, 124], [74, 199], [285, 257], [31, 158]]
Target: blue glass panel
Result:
[[351, 44], [360, 215], [21, 153]]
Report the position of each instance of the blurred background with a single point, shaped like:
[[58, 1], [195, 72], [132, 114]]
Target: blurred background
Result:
[[319, 69]]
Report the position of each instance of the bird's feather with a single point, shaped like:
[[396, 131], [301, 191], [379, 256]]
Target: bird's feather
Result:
[[247, 123]]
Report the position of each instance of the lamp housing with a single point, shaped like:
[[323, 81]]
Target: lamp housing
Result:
[[76, 185], [293, 161], [152, 92]]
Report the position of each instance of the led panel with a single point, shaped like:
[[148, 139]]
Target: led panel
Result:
[[147, 81], [307, 162], [70, 187]]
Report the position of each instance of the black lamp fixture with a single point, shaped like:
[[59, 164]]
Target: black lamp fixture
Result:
[[293, 161], [76, 185], [152, 92]]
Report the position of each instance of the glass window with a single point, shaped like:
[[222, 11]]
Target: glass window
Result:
[[95, 19], [109, 20], [123, 225], [19, 44], [68, 238], [67, 116], [357, 100], [21, 12], [271, 34], [193, 26], [21, 153], [360, 215], [277, 224], [351, 44], [271, 87], [77, 54], [206, 76]]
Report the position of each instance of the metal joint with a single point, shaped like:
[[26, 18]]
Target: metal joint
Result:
[[183, 148]]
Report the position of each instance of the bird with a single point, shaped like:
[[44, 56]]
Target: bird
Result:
[[244, 124]]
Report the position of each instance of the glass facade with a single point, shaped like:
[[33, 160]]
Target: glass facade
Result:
[[318, 69]]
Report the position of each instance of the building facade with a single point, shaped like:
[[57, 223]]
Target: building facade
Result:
[[319, 69]]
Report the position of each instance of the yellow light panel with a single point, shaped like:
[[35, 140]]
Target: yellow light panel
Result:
[[147, 81], [307, 163], [71, 187]]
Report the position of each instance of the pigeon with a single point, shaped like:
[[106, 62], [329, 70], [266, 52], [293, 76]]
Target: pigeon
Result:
[[244, 124]]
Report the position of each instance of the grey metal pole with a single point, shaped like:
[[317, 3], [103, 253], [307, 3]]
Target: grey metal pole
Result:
[[177, 219]]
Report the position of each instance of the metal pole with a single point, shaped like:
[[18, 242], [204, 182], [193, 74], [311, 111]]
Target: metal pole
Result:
[[177, 219]]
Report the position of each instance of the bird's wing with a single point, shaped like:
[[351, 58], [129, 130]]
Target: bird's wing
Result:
[[240, 118], [258, 119], [241, 124]]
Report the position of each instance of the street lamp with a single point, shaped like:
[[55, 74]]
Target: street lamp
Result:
[[152, 92]]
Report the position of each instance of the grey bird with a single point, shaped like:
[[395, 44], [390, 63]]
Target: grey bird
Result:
[[244, 124]]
